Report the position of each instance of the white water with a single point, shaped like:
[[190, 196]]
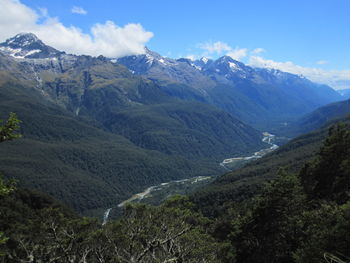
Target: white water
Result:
[[149, 190], [105, 216], [267, 138]]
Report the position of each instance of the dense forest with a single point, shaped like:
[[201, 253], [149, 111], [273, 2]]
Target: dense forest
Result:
[[299, 216]]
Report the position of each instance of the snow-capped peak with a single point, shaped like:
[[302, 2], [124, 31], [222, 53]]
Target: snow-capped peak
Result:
[[204, 60], [27, 45], [22, 40]]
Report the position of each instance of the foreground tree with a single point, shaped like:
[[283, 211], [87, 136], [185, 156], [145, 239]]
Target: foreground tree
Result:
[[270, 232], [8, 132], [328, 176], [169, 233]]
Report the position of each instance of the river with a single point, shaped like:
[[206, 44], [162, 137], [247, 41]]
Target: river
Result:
[[168, 187]]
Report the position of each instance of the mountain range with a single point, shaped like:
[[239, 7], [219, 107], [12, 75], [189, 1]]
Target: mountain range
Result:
[[98, 129], [262, 98]]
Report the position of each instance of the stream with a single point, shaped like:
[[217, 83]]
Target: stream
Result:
[[237, 162]]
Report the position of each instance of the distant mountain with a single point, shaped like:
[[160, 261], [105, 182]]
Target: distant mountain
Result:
[[166, 70], [260, 97], [345, 93]]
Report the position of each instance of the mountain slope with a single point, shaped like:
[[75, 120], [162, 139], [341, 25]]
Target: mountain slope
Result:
[[345, 93], [189, 129], [247, 181], [259, 97], [77, 163], [317, 118]]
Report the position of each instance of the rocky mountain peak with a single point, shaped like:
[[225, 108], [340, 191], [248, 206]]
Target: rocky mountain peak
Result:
[[27, 45], [23, 40]]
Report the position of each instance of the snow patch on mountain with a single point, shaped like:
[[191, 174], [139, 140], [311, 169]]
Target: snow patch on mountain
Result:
[[234, 66], [205, 60]]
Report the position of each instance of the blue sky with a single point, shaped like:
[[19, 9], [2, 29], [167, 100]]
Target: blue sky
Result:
[[310, 37]]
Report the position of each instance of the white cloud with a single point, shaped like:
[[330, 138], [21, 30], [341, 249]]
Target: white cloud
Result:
[[106, 39], [238, 53], [222, 48], [338, 79], [217, 47], [258, 50], [43, 11], [78, 10], [322, 62]]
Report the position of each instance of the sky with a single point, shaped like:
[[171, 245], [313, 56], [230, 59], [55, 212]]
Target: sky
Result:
[[307, 37]]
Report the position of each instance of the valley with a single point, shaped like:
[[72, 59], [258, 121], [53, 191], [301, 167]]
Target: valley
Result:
[[157, 194], [146, 158]]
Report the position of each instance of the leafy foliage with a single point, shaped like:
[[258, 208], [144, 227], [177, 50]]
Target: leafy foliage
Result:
[[328, 177], [169, 233], [300, 217], [8, 130], [270, 231]]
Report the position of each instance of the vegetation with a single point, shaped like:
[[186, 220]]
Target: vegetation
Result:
[[8, 130], [297, 217], [248, 181], [169, 233], [76, 161], [94, 134], [316, 119], [300, 217]]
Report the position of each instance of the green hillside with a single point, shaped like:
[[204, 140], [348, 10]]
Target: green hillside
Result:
[[296, 217], [247, 181], [317, 118], [79, 164]]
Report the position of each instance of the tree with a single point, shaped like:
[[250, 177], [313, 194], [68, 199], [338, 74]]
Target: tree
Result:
[[169, 233], [8, 131], [326, 231], [270, 232], [328, 176]]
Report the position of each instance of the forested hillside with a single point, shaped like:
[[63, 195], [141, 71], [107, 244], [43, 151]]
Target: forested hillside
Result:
[[317, 118], [300, 216], [80, 164]]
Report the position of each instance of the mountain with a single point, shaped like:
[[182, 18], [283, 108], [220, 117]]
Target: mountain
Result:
[[345, 93], [118, 100], [27, 45], [259, 97], [318, 118], [166, 70], [76, 161], [94, 133]]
